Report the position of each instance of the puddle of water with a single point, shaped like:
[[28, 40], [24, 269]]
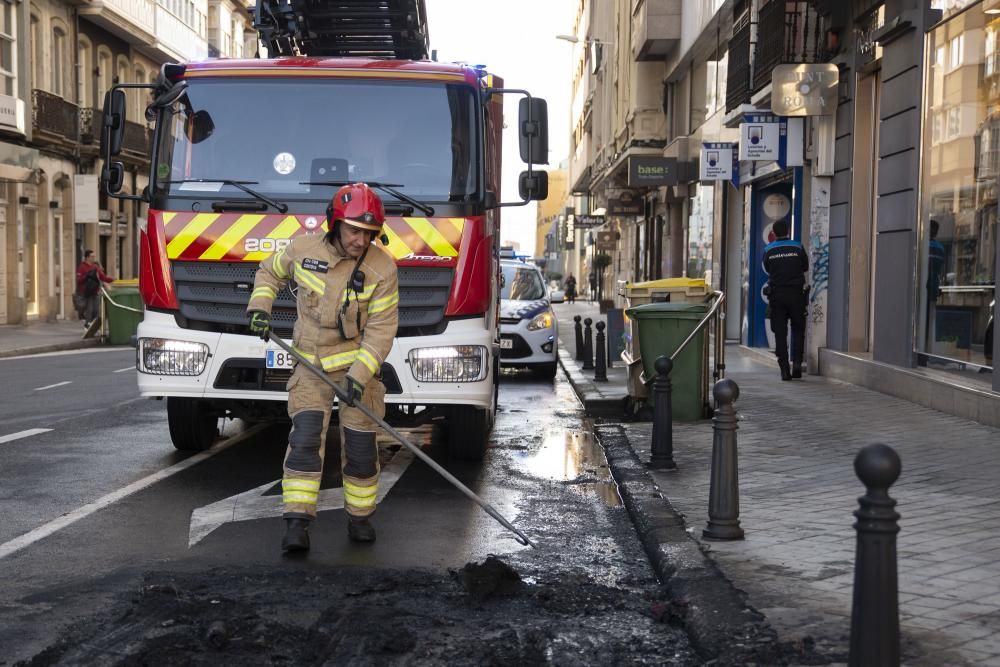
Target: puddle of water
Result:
[[576, 458]]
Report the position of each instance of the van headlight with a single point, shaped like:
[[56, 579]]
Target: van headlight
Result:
[[163, 356], [451, 363], [541, 321]]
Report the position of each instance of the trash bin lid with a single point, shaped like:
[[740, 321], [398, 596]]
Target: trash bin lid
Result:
[[667, 311], [665, 283]]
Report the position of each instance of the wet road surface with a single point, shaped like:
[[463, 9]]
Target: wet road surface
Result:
[[160, 576]]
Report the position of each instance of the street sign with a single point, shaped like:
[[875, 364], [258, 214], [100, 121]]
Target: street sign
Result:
[[85, 188], [718, 161], [804, 89]]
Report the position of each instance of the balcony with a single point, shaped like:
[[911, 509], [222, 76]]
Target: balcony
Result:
[[738, 76], [176, 40], [787, 32], [54, 121], [136, 142], [131, 20], [656, 28]]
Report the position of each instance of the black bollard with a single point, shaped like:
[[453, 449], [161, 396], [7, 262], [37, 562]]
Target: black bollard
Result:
[[662, 448], [875, 612], [588, 346], [724, 493], [579, 337], [601, 372]]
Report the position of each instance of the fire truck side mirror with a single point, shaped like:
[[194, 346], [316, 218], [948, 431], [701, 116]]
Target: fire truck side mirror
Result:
[[533, 185], [533, 129], [112, 177], [113, 130]]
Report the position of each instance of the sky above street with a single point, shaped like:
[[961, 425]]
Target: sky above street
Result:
[[516, 40]]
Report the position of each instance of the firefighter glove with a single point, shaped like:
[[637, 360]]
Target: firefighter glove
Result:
[[260, 324], [354, 390]]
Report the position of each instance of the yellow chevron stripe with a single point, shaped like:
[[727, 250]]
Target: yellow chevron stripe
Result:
[[167, 217], [396, 247], [191, 231], [431, 236], [232, 236], [285, 230], [457, 223]]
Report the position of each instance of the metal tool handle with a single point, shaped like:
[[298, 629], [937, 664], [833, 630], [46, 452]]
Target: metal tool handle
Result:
[[343, 398]]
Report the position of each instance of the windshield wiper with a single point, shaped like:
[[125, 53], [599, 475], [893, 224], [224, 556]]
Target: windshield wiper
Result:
[[385, 187], [282, 208]]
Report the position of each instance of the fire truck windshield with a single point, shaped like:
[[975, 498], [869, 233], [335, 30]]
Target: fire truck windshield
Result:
[[282, 134]]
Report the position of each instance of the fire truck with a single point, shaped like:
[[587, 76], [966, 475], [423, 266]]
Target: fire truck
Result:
[[246, 155]]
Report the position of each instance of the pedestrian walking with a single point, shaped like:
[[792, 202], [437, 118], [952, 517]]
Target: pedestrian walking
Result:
[[87, 299], [593, 285], [570, 287], [786, 265], [347, 300]]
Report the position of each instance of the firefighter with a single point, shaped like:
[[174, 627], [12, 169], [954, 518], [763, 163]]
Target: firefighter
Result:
[[347, 300], [786, 265]]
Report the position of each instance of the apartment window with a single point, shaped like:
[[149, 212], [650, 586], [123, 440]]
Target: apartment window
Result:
[[59, 74], [84, 95], [957, 48], [138, 93], [954, 122], [938, 124], [990, 48], [8, 43], [939, 56], [37, 52]]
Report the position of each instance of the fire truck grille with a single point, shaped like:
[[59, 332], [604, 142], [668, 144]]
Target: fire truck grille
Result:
[[213, 296]]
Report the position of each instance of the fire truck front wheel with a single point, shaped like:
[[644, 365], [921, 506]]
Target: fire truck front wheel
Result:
[[193, 426], [468, 432]]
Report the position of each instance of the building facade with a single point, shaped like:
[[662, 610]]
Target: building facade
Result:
[[58, 59], [888, 178]]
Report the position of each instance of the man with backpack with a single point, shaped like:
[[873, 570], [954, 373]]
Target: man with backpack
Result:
[[89, 276]]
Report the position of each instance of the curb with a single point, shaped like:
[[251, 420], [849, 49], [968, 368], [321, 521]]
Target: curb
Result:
[[594, 405], [717, 618], [55, 347]]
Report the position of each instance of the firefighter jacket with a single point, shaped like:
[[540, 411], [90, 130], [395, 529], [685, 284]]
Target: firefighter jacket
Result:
[[786, 263], [323, 276]]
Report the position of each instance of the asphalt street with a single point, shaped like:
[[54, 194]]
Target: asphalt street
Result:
[[101, 503]]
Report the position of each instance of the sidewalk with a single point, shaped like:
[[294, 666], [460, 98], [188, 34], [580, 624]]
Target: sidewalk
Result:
[[37, 337], [798, 490]]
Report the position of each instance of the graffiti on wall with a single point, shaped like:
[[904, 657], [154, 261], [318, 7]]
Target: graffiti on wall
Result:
[[820, 265]]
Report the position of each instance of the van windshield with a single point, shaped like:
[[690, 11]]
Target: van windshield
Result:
[[521, 284], [276, 136]]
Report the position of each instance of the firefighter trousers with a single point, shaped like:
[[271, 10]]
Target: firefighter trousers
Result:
[[310, 402]]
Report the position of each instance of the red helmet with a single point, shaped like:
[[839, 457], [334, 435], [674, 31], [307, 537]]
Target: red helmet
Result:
[[357, 205]]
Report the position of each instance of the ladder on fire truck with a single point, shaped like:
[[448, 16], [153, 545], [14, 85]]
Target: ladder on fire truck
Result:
[[395, 29]]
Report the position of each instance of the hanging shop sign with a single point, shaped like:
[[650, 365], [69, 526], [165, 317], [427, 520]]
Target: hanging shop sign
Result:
[[588, 221], [625, 206], [606, 240], [804, 89], [760, 137], [85, 199], [718, 162], [651, 171]]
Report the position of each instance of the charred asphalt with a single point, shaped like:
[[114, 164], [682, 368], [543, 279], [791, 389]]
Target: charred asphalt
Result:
[[444, 583]]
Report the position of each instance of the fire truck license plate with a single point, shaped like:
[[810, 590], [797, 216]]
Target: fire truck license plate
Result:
[[506, 343], [279, 359]]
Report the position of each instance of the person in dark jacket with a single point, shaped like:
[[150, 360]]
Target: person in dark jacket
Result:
[[89, 276], [786, 264]]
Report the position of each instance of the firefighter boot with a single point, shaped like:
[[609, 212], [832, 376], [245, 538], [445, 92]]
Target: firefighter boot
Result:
[[785, 372], [360, 529], [797, 370], [296, 535]]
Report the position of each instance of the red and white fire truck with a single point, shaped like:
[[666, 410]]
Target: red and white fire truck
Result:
[[246, 155]]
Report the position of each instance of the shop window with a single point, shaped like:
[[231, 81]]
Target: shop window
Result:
[[959, 194]]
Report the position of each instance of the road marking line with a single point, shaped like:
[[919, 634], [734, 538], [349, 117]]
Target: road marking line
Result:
[[252, 504], [63, 353], [53, 386], [124, 370], [23, 434], [43, 531]]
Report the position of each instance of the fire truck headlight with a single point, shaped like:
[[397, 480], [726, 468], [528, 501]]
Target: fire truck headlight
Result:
[[453, 363], [162, 356]]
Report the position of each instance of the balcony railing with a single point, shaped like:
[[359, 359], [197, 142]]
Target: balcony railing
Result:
[[136, 139], [53, 119], [90, 126], [787, 32], [738, 76]]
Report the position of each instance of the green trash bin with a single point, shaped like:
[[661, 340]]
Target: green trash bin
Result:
[[122, 322], [662, 327]]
